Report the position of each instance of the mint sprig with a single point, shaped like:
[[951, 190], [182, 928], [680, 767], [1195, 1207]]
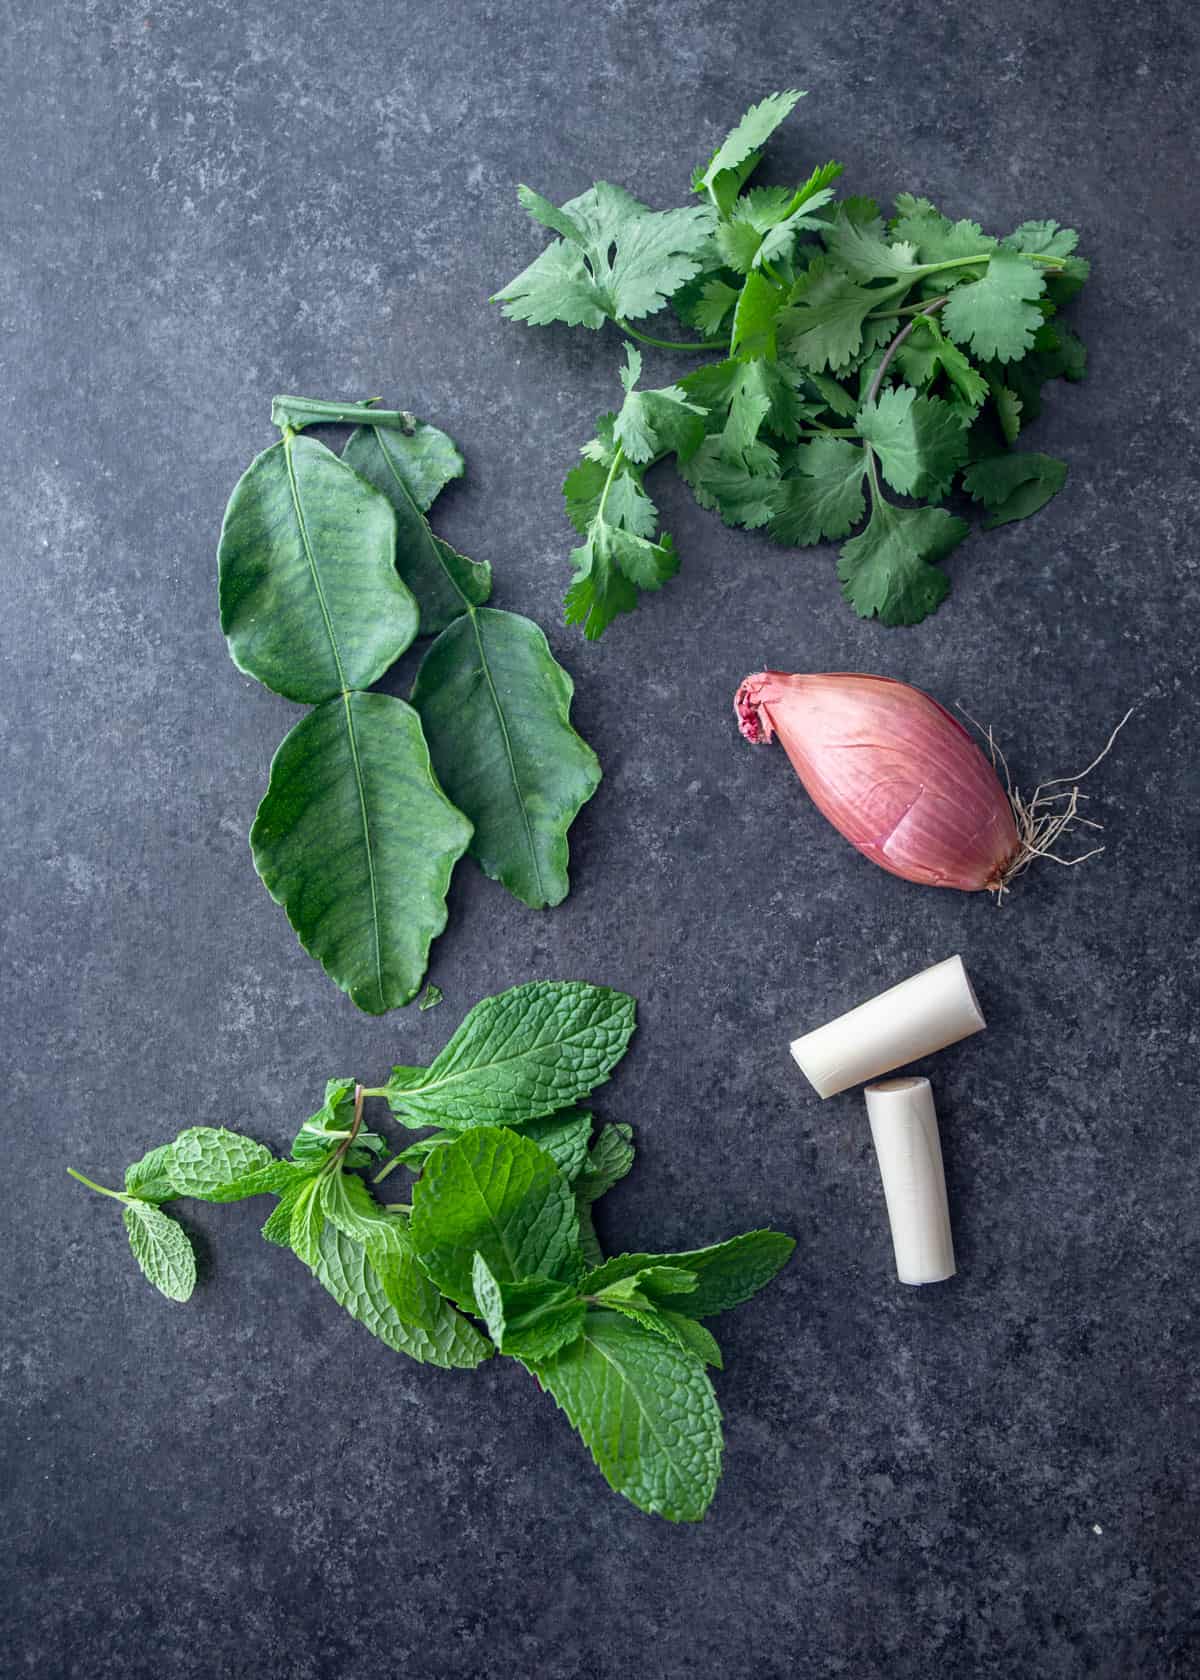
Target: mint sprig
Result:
[[498, 1230]]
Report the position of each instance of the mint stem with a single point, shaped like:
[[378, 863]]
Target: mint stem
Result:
[[98, 1188], [295, 412]]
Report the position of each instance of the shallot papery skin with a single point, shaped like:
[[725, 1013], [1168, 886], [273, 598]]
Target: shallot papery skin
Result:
[[892, 771]]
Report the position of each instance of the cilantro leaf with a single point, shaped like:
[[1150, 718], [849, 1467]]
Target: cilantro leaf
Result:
[[821, 495], [494, 1192], [889, 570], [754, 318], [532, 1319], [517, 1056], [938, 239], [713, 306], [822, 324], [739, 152], [740, 486], [616, 260], [646, 1410], [1014, 486], [727, 1273], [927, 352], [161, 1248], [919, 441], [997, 314], [864, 253]]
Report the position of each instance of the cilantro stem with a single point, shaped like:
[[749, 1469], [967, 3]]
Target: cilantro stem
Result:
[[98, 1188], [618, 457], [669, 343], [892, 348]]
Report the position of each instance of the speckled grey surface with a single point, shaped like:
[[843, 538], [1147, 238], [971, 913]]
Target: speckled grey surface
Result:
[[206, 203]]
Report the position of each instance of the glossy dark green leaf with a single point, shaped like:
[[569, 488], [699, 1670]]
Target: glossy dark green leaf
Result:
[[356, 840], [410, 469], [496, 709], [311, 602]]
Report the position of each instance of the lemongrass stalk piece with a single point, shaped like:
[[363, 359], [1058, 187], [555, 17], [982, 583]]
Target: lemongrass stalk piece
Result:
[[905, 1132], [922, 1014]]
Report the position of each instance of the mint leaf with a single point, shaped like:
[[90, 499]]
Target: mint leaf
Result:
[[647, 1287], [430, 997], [564, 1137], [890, 569], [150, 1178], [532, 1319], [997, 314], [349, 1206], [822, 495], [1014, 486], [518, 1056], [205, 1159], [693, 1336], [645, 1409], [307, 1221], [919, 441], [608, 1161], [343, 1268], [495, 1193], [278, 1228], [161, 1248], [727, 1273]]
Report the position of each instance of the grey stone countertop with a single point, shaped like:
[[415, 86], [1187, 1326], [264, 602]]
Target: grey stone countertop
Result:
[[208, 202]]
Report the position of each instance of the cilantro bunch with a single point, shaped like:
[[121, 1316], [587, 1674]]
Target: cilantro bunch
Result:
[[498, 1233], [858, 357]]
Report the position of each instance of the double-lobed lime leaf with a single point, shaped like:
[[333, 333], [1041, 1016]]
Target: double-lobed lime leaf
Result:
[[327, 565], [311, 601], [495, 706], [411, 469], [357, 842]]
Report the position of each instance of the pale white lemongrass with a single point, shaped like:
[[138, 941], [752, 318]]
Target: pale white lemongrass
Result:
[[904, 1129], [922, 1014]]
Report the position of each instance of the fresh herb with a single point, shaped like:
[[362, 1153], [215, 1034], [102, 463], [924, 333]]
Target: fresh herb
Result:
[[498, 1230], [854, 353], [328, 571]]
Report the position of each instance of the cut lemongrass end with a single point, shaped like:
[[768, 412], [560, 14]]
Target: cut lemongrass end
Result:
[[916, 1018], [904, 1129]]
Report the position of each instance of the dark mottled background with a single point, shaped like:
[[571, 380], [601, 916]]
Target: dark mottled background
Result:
[[206, 203]]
